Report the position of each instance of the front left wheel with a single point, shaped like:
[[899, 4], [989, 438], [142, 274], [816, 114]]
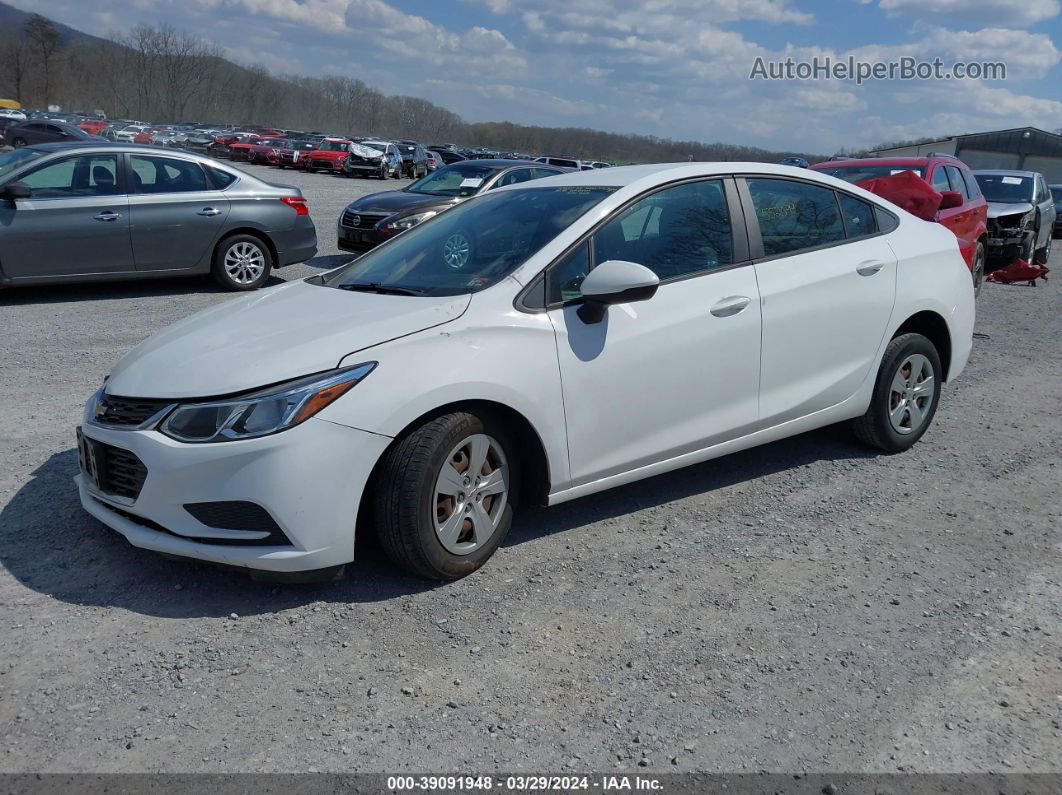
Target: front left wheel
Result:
[[443, 495]]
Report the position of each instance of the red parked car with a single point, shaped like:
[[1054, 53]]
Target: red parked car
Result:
[[240, 149], [266, 152], [329, 155], [93, 126], [963, 208]]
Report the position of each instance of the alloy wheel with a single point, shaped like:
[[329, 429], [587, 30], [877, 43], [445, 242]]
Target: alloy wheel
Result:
[[245, 263], [911, 394], [471, 493]]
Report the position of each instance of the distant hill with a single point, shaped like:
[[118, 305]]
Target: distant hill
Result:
[[13, 19]]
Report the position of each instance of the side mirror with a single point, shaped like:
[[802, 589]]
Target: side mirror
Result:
[[950, 199], [615, 282], [16, 190]]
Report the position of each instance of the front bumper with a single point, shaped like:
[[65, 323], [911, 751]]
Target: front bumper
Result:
[[310, 480], [359, 240], [1006, 244], [326, 165]]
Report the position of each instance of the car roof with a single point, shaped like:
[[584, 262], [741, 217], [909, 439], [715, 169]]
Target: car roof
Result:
[[1010, 172], [496, 162], [64, 145], [649, 174], [882, 161]]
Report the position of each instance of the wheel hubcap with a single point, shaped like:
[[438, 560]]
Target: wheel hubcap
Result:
[[456, 250], [245, 263], [470, 494], [911, 394]]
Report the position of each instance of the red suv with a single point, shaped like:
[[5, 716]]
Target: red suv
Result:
[[963, 208]]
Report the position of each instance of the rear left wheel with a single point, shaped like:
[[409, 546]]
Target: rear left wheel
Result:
[[905, 395], [443, 495], [242, 262]]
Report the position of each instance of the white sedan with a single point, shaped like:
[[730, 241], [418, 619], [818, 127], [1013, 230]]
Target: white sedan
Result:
[[539, 343]]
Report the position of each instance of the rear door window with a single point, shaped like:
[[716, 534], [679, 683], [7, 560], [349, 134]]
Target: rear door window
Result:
[[939, 179], [166, 175], [957, 182], [858, 216], [794, 215]]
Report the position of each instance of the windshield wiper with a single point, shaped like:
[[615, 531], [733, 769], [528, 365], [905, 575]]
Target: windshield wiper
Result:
[[377, 287]]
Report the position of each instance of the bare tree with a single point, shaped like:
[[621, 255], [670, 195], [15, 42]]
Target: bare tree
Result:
[[44, 40], [14, 65]]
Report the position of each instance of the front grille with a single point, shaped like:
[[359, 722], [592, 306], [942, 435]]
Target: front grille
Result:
[[119, 471], [364, 221], [121, 412]]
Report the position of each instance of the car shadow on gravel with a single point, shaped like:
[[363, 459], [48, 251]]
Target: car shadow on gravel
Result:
[[48, 542], [51, 545], [832, 443]]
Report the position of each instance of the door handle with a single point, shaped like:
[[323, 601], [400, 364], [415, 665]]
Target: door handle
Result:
[[209, 211], [870, 267], [108, 215], [730, 305]]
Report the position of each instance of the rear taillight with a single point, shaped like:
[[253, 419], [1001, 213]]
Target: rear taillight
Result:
[[297, 203]]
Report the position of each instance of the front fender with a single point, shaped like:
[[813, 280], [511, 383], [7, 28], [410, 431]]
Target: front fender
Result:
[[513, 364]]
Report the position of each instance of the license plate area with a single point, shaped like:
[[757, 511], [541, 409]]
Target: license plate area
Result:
[[89, 459]]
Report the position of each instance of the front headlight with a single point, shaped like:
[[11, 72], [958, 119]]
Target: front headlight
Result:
[[261, 413], [409, 221]]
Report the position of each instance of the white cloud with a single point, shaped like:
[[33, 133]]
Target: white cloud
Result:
[[1006, 13]]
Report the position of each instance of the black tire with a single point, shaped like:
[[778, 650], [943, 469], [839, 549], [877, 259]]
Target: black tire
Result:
[[1043, 254], [383, 171], [233, 245], [405, 503], [977, 272], [875, 427]]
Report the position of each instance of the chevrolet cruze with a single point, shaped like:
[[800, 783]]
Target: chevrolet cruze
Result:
[[535, 344]]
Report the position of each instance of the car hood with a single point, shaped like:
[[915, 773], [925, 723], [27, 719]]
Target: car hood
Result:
[[271, 336], [394, 201], [996, 209]]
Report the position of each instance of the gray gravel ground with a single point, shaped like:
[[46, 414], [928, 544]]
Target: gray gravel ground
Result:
[[807, 606]]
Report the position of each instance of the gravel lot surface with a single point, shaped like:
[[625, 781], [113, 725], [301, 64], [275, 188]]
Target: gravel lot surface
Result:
[[808, 605]]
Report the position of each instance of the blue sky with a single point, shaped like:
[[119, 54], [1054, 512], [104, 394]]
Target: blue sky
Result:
[[671, 68]]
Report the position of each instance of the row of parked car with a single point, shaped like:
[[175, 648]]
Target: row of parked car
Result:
[[312, 151]]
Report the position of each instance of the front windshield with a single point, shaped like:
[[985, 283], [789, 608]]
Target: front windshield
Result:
[[1005, 188], [860, 173], [332, 146], [459, 179], [17, 158], [472, 246]]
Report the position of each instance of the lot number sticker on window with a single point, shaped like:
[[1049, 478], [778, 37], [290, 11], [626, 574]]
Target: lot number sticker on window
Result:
[[1011, 180], [472, 182]]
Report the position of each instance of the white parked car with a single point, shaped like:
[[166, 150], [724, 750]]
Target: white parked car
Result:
[[538, 343], [127, 134]]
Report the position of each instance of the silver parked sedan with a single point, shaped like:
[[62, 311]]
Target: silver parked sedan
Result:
[[81, 212]]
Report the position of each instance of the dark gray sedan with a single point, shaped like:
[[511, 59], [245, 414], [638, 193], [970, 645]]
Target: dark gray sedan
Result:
[[96, 211]]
